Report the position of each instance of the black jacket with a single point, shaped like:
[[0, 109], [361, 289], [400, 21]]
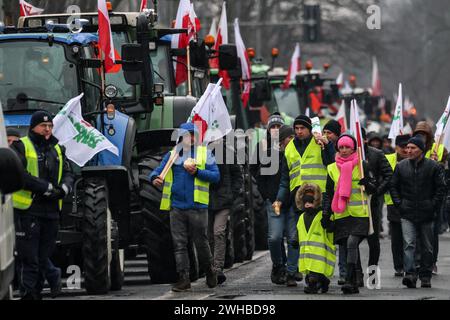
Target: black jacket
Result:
[[345, 227], [48, 173], [223, 193], [380, 168], [417, 189]]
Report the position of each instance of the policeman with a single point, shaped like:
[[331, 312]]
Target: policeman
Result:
[[305, 160], [37, 206]]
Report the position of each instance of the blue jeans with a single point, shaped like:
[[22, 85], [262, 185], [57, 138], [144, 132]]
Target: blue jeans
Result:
[[410, 231], [293, 254], [277, 229]]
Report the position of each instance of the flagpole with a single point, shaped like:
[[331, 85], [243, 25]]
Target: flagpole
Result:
[[189, 69]]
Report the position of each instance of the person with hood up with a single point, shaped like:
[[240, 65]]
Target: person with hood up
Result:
[[317, 251], [186, 196], [345, 205]]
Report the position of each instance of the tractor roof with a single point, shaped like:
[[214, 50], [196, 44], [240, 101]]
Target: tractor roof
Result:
[[66, 38]]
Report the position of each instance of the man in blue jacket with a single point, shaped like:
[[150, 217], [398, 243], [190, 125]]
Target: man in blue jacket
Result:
[[186, 195]]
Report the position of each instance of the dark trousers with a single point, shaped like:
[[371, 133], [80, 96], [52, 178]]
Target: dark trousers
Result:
[[190, 224], [35, 242], [217, 221], [396, 244], [374, 239]]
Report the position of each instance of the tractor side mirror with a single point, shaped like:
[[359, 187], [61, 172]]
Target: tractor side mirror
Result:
[[199, 57], [132, 63], [260, 92], [228, 58]]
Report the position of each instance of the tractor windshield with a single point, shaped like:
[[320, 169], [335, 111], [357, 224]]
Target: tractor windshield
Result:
[[286, 102], [34, 75]]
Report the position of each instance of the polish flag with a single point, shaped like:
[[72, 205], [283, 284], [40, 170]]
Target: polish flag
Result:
[[245, 63], [294, 67], [105, 36], [222, 38], [341, 117], [143, 5], [315, 102], [27, 9], [213, 28], [186, 19], [376, 81], [340, 80]]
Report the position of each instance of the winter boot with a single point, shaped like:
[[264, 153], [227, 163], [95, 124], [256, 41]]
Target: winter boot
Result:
[[425, 283], [221, 277], [290, 280], [351, 285], [183, 284], [311, 285], [324, 284], [278, 275], [409, 281], [211, 277], [298, 276]]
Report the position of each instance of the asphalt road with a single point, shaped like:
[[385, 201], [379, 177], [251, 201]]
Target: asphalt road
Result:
[[251, 281]]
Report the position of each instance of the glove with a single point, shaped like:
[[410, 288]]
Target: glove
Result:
[[49, 190], [364, 182], [57, 193]]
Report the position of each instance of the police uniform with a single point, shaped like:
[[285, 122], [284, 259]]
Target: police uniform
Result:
[[37, 207]]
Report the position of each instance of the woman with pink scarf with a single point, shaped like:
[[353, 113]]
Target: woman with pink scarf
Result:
[[346, 207]]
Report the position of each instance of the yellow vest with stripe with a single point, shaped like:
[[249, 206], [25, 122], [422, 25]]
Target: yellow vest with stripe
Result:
[[440, 152], [356, 207], [201, 188], [317, 251], [23, 199], [392, 158], [306, 169]]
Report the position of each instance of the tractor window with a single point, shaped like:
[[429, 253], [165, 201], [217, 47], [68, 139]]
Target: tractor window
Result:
[[286, 101], [32, 71], [161, 66]]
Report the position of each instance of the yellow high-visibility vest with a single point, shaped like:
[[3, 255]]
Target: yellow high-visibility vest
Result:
[[317, 251], [201, 188], [440, 152], [306, 169], [392, 158], [357, 205], [23, 199]]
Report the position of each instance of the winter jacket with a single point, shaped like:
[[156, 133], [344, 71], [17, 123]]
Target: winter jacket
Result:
[[223, 193], [417, 189], [48, 165], [380, 168], [183, 182], [345, 227], [267, 184], [328, 155]]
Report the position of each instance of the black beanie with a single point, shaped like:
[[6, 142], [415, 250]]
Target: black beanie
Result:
[[402, 140], [418, 142], [13, 132], [39, 117], [334, 127], [304, 121]]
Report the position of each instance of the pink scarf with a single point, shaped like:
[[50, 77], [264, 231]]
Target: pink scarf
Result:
[[344, 187]]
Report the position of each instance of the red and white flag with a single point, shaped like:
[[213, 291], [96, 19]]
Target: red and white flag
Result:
[[341, 117], [340, 80], [186, 19], [355, 127], [376, 81], [245, 63], [105, 36], [213, 28], [27, 9], [222, 38], [294, 67], [143, 5]]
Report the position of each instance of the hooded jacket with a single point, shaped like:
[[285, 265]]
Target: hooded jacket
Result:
[[424, 128]]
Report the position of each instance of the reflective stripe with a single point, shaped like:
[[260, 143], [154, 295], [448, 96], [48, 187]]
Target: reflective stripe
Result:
[[165, 196], [200, 188], [295, 165], [167, 184], [294, 175], [356, 203], [316, 257], [356, 191], [309, 178], [317, 244], [313, 166]]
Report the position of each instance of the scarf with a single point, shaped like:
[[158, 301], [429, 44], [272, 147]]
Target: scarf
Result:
[[344, 186]]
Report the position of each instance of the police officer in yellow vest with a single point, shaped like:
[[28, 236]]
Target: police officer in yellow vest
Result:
[[37, 207], [317, 250], [186, 196], [347, 205], [304, 161], [393, 215]]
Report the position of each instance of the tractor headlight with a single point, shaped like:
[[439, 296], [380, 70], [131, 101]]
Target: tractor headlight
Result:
[[110, 91]]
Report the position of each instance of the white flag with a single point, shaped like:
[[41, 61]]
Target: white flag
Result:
[[211, 114], [87, 141], [397, 121], [441, 124], [63, 128]]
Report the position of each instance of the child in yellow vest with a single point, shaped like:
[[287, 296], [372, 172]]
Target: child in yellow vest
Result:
[[317, 251]]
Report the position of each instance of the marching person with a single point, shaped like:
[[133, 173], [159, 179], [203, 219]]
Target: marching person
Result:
[[332, 130], [186, 196], [347, 205], [317, 251], [417, 190], [37, 207], [268, 187], [304, 161], [221, 199], [393, 215]]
